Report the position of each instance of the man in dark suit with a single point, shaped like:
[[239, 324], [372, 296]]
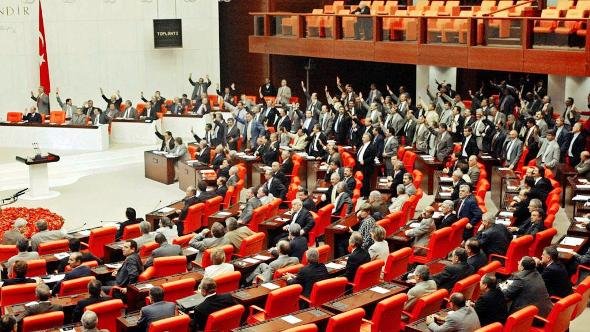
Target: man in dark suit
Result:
[[32, 116], [467, 208], [94, 292], [287, 164], [131, 220], [218, 158], [317, 141], [342, 125], [311, 273], [493, 238], [77, 271], [159, 309], [232, 134], [267, 89], [200, 87], [454, 272], [562, 136], [469, 144], [42, 305], [349, 180], [491, 305], [577, 144], [275, 187], [221, 187], [542, 184], [129, 270], [297, 242], [204, 153], [300, 216], [554, 273], [476, 258], [458, 181], [449, 217], [366, 162], [409, 128], [165, 249], [526, 287], [167, 140], [20, 275], [278, 173], [213, 302], [283, 121], [358, 255], [202, 193]]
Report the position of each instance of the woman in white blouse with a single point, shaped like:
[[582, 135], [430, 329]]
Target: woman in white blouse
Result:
[[168, 229], [379, 249]]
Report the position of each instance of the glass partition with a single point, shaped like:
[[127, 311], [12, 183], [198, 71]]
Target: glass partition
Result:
[[503, 32], [258, 25], [319, 26], [356, 27], [400, 29], [447, 30], [284, 26], [559, 34]]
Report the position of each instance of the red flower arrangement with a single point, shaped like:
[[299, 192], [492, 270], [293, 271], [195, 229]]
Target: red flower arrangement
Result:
[[9, 215]]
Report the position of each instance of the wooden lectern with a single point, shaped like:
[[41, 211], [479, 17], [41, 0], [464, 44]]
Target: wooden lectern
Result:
[[38, 176], [159, 167]]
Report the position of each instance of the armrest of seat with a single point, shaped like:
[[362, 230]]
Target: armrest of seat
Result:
[[301, 297], [409, 315], [112, 290], [84, 244], [554, 298], [540, 320], [497, 256], [256, 308]]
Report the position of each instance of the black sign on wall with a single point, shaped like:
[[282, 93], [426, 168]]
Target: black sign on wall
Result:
[[167, 33]]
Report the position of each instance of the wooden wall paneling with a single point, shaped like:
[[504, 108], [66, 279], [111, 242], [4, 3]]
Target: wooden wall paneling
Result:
[[442, 55], [495, 58]]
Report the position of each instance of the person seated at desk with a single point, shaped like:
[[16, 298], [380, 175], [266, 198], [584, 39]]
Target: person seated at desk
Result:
[[165, 249], [42, 305], [236, 233], [152, 114], [342, 199], [365, 226], [262, 147], [448, 215], [534, 224], [408, 183], [526, 287], [358, 255], [299, 215], [20, 275], [95, 296], [146, 234], [221, 189], [334, 168], [493, 238], [218, 158], [423, 285], [278, 173], [297, 242], [45, 235], [203, 154], [299, 139], [23, 254], [111, 112], [583, 168], [218, 265], [264, 196], [461, 318], [491, 305], [131, 216], [86, 256], [129, 112], [32, 116], [98, 117], [129, 271], [78, 118], [422, 232], [89, 321], [378, 206], [520, 207], [167, 140], [473, 171], [233, 177], [212, 302], [188, 200], [252, 203], [159, 309], [274, 185], [180, 150], [201, 242], [311, 273], [397, 175], [8, 323], [77, 271], [457, 270], [264, 272], [11, 236], [476, 258], [330, 196], [380, 248], [397, 201], [554, 273], [168, 229]]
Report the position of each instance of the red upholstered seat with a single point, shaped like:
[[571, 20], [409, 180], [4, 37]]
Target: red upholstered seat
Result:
[[303, 328], [560, 315], [522, 320], [99, 237], [194, 218], [437, 246], [17, 294], [164, 266], [494, 327], [107, 312], [178, 323], [53, 247], [206, 259], [228, 282], [326, 290], [75, 286], [279, 302], [7, 251], [467, 286], [367, 275], [517, 249], [252, 244], [225, 319], [14, 117], [324, 254], [542, 240], [131, 232], [397, 263], [349, 321], [147, 249], [44, 321], [387, 315], [178, 289]]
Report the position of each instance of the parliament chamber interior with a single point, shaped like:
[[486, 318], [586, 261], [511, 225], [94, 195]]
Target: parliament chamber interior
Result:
[[312, 165]]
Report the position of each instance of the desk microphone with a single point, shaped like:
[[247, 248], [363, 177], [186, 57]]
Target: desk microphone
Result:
[[20, 192], [78, 228], [157, 206]]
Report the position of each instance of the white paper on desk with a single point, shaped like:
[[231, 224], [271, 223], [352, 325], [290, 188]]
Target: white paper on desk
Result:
[[111, 224], [383, 180], [583, 186], [512, 188], [251, 260], [53, 278], [437, 214], [262, 257], [446, 188], [323, 168], [565, 250], [485, 156], [145, 286], [583, 181], [84, 232], [341, 226], [270, 285], [113, 266], [380, 290], [282, 219], [291, 319], [321, 189], [166, 209], [503, 222], [414, 225], [582, 219], [445, 194], [506, 214], [224, 213], [445, 179], [61, 255], [335, 266], [571, 241], [191, 249], [288, 213], [581, 198], [503, 168]]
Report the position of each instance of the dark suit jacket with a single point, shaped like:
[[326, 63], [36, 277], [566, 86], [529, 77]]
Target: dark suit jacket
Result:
[[170, 145], [397, 180], [309, 275], [204, 157], [129, 271], [298, 246], [339, 204], [455, 193], [350, 184], [451, 274], [271, 154], [187, 203], [577, 148], [154, 312], [78, 272], [556, 279], [216, 163], [18, 281], [124, 224], [79, 309], [477, 261], [309, 204], [305, 220], [221, 191], [286, 123], [357, 258], [528, 288], [491, 307], [471, 148], [368, 157], [471, 211], [286, 167], [494, 240], [277, 189], [446, 221], [211, 304], [205, 195], [33, 117]]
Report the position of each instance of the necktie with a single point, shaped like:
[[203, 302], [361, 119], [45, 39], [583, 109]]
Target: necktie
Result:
[[460, 207]]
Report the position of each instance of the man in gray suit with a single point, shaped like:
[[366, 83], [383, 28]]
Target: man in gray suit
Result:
[[129, 112], [389, 149], [14, 234], [201, 242], [67, 107], [461, 318], [423, 286], [264, 272], [526, 287], [42, 305], [326, 120], [159, 309], [166, 249], [146, 236], [512, 150], [548, 155], [496, 117], [252, 203], [45, 235], [443, 142], [200, 87], [426, 226], [583, 168], [23, 255], [473, 171], [421, 135], [42, 100], [283, 93]]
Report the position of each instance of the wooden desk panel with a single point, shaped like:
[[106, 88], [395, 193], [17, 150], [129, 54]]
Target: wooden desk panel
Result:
[[420, 324], [364, 298], [255, 294], [562, 173], [498, 175], [427, 167], [339, 227], [307, 316], [137, 293], [154, 217], [159, 167]]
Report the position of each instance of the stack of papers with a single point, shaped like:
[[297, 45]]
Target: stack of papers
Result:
[[506, 214], [224, 213], [571, 241], [380, 290], [321, 189], [503, 168], [113, 266], [251, 260], [445, 194], [504, 222], [262, 257], [437, 215], [166, 210], [565, 250], [446, 179], [446, 188], [581, 198], [335, 266], [270, 285], [291, 319], [583, 186], [582, 219], [61, 255]]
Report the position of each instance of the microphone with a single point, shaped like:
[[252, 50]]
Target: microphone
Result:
[[76, 229], [157, 206], [20, 192]]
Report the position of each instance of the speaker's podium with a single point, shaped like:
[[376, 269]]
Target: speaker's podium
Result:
[[39, 176], [159, 166]]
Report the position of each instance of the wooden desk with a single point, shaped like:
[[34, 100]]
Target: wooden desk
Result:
[[562, 173], [248, 161], [190, 173], [399, 239], [566, 256], [578, 229], [420, 324], [339, 227], [318, 316], [273, 226], [159, 167], [137, 293], [220, 216], [128, 323], [498, 174], [245, 267], [427, 167], [489, 162], [67, 302], [333, 271], [576, 189], [255, 294], [70, 328], [314, 171], [154, 217], [364, 298]]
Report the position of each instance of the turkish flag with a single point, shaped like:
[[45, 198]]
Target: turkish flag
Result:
[[43, 64]]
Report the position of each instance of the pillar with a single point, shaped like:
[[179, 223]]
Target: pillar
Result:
[[428, 74], [556, 90], [578, 88]]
